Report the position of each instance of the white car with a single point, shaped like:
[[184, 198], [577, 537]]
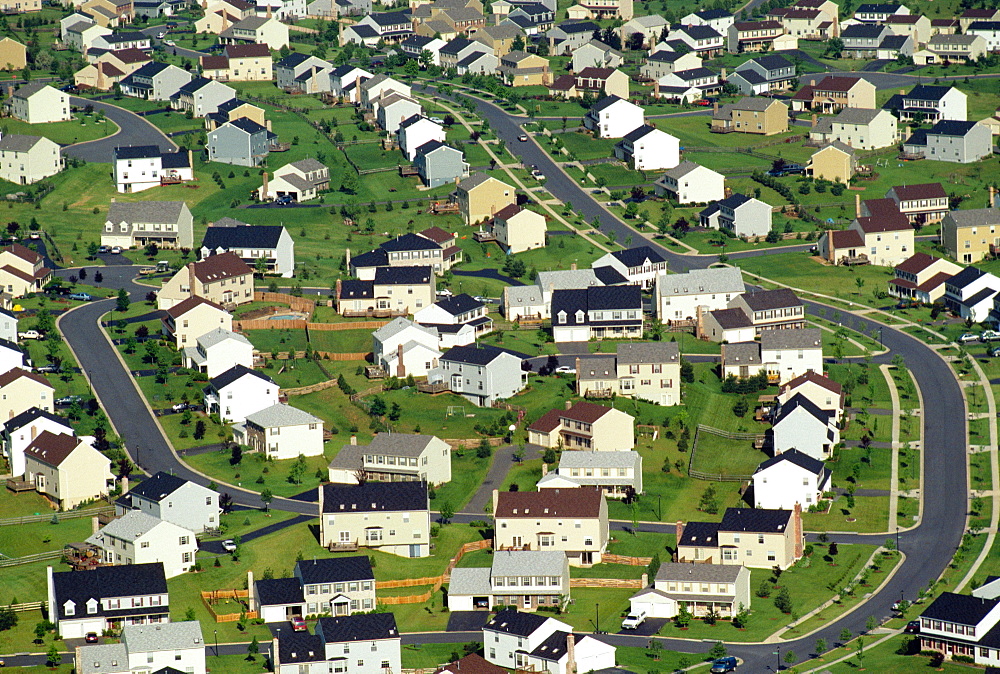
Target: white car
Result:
[[170, 43], [161, 35], [565, 369], [116, 250], [634, 620], [30, 334], [229, 545]]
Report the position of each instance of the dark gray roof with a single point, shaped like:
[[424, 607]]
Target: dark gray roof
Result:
[[403, 275], [459, 304], [278, 591], [26, 417], [300, 647], [755, 519], [108, 582], [375, 497], [636, 257], [951, 127], [959, 608], [511, 621], [863, 30], [700, 534], [360, 627], [242, 236], [158, 487], [234, 373], [409, 241], [771, 299], [478, 354], [796, 457], [335, 570]]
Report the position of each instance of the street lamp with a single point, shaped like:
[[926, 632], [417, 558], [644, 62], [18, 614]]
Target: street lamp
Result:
[[897, 537], [881, 345], [777, 653], [659, 507], [216, 643], [597, 619]]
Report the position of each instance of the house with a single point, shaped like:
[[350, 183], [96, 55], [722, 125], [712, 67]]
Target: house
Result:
[[302, 180], [393, 457], [168, 224], [22, 271], [172, 499], [663, 62], [884, 238], [774, 73], [481, 197], [220, 14], [915, 26], [731, 326], [184, 322], [170, 646], [951, 141], [391, 517], [574, 521], [719, 19], [346, 80], [788, 354], [403, 347], [456, 310], [241, 142], [13, 54], [833, 93], [648, 149], [27, 159], [459, 49], [252, 243], [478, 63], [65, 468], [584, 426], [701, 588], [155, 81], [124, 40], [481, 374], [256, 30], [569, 36], [439, 164], [240, 63], [957, 48], [579, 315], [218, 351], [38, 103], [764, 116], [596, 54], [11, 356], [962, 625], [700, 80], [394, 290], [928, 103], [690, 183], [798, 423], [386, 26], [678, 297], [81, 34], [415, 45], [965, 237], [238, 392], [416, 131], [21, 391], [705, 41], [790, 478], [646, 29], [859, 128], [777, 309], [988, 30], [139, 538], [338, 587], [922, 204], [822, 391], [613, 117], [744, 36], [223, 279], [517, 229], [152, 9], [861, 40], [805, 23], [8, 326], [394, 108], [375, 640], [405, 250], [641, 265], [739, 214], [617, 474], [647, 370], [298, 70], [836, 162], [520, 69], [536, 300], [21, 430], [759, 539], [281, 432], [878, 13], [526, 579], [971, 293], [531, 641], [602, 82], [106, 598], [142, 167]]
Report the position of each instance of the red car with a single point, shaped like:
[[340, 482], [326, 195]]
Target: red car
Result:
[[298, 624], [703, 102], [90, 637]]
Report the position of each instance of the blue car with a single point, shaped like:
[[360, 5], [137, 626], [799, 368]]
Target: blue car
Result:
[[83, 297], [723, 665]]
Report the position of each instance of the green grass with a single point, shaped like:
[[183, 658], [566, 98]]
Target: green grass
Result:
[[253, 467], [884, 659], [467, 474], [869, 515], [341, 341], [799, 270], [721, 456], [86, 127], [22, 504]]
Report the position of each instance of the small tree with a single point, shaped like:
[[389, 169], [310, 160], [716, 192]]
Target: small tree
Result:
[[52, 656], [655, 649], [790, 658], [253, 649], [266, 496], [742, 617], [783, 602], [683, 617], [122, 301], [447, 511], [846, 635], [820, 647], [717, 651]]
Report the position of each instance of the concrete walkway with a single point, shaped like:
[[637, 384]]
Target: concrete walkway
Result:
[[894, 478]]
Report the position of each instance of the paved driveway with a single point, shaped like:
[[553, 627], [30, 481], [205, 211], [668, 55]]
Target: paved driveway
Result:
[[133, 130]]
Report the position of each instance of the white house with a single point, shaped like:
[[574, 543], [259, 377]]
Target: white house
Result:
[[393, 517], [739, 214], [281, 432], [690, 183], [354, 644], [648, 149], [788, 354], [679, 296], [527, 579], [702, 588], [21, 430], [460, 309], [800, 424], [174, 500], [970, 292], [138, 538], [8, 326], [394, 457], [641, 265], [614, 117], [11, 356], [218, 351], [238, 392], [825, 393], [403, 347], [530, 641], [416, 131], [169, 646], [142, 167], [618, 474], [394, 109], [338, 586], [38, 103], [27, 159], [789, 478], [271, 243]]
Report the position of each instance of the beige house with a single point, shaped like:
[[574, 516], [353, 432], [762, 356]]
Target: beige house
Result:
[[602, 9], [764, 116], [757, 538], [917, 26], [860, 128], [957, 48], [221, 15], [574, 521], [481, 196], [257, 30], [642, 370], [239, 110], [518, 229], [499, 38], [20, 6], [224, 279], [969, 236], [38, 103], [922, 278], [393, 517], [22, 271], [67, 469], [239, 63], [818, 389], [168, 224], [28, 159], [884, 237], [584, 426], [701, 588], [520, 69], [922, 204], [832, 94], [393, 457], [13, 54], [186, 321], [836, 162], [21, 390]]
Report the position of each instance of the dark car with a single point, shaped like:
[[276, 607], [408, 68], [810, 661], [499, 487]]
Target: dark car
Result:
[[912, 627], [68, 400], [91, 637], [284, 200], [787, 170], [48, 369], [723, 665]]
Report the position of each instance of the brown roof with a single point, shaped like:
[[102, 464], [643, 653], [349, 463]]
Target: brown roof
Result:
[[52, 449], [944, 22], [804, 94], [508, 211], [837, 83], [240, 51], [730, 319], [596, 73], [871, 225], [214, 62], [241, 4], [437, 235], [588, 413], [14, 271], [564, 503], [109, 69], [471, 664], [933, 282], [798, 13], [220, 267], [187, 305], [771, 299], [25, 254], [916, 263], [756, 25], [903, 18], [17, 373], [847, 238], [924, 191], [978, 13], [547, 423], [563, 83], [131, 55], [815, 378]]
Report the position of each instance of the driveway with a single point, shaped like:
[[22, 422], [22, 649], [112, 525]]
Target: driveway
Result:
[[132, 130], [467, 621]]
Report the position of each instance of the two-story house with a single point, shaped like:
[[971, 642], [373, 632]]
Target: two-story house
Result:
[[759, 539], [21, 390], [970, 235], [778, 309], [168, 224], [338, 587], [393, 517], [922, 204], [173, 499], [884, 238], [596, 54], [825, 393], [188, 320], [241, 142], [155, 81], [27, 159], [22, 271], [38, 103], [281, 432], [201, 96], [787, 354], [268, 245], [517, 229], [951, 141], [264, 30], [859, 128], [67, 469], [664, 62], [762, 116], [584, 425], [454, 311], [799, 423], [962, 625], [971, 292], [239, 63], [833, 93], [739, 214], [572, 520], [224, 279], [613, 117], [789, 478], [646, 371], [238, 392], [177, 646], [21, 430], [750, 36], [393, 290], [141, 167], [139, 538], [393, 457], [690, 183], [769, 73], [930, 103], [641, 265], [525, 579], [354, 644], [480, 373], [700, 588], [416, 131], [481, 196], [403, 347], [218, 351], [679, 296], [862, 40], [617, 474], [301, 181], [646, 148], [597, 312]]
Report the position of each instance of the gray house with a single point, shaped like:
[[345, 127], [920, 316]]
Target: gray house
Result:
[[241, 142], [202, 96], [570, 36], [862, 39], [288, 70], [739, 214], [952, 141], [439, 164], [155, 82], [478, 63], [481, 374]]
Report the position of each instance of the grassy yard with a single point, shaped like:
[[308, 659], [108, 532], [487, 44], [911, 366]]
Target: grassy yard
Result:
[[800, 270], [255, 472], [83, 128]]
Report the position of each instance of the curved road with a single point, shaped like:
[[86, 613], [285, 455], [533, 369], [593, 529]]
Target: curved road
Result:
[[132, 130]]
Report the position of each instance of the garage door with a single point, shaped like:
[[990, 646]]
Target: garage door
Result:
[[569, 334]]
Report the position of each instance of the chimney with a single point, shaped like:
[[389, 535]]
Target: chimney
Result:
[[570, 654], [339, 285], [267, 124], [857, 205], [400, 365], [797, 529], [250, 590], [354, 440], [545, 469], [315, 71], [320, 497], [95, 525], [496, 497], [34, 432], [902, 92], [347, 254], [830, 257], [722, 75], [715, 107], [645, 579], [190, 160], [274, 654], [812, 83], [225, 19], [699, 322], [573, 266], [264, 189], [678, 532], [814, 119], [993, 193], [268, 10], [568, 404], [124, 484]]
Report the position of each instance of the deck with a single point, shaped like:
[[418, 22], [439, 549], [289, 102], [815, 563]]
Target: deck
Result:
[[433, 389]]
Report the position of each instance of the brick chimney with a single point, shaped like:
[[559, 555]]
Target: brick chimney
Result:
[[124, 484], [274, 652], [568, 404], [857, 205], [496, 497], [400, 365], [264, 190], [250, 589], [699, 322], [95, 525], [339, 285], [812, 83], [797, 529], [813, 119], [354, 440], [679, 531], [645, 579], [347, 254], [993, 194], [570, 654], [830, 255]]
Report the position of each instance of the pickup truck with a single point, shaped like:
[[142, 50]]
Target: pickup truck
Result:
[[634, 620], [30, 334]]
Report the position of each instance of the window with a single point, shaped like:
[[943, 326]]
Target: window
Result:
[[760, 539], [771, 556]]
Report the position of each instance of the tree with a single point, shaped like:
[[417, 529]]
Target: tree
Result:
[[790, 658], [834, 46], [52, 656], [8, 619], [122, 301], [783, 602], [483, 451], [447, 511], [871, 623], [708, 502], [742, 617], [687, 371], [266, 496], [236, 455], [683, 617], [655, 649], [718, 651], [832, 550], [846, 635], [377, 408], [199, 430], [820, 646], [298, 470], [253, 649], [635, 41]]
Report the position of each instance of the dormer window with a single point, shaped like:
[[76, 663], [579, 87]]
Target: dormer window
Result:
[[69, 608], [92, 605]]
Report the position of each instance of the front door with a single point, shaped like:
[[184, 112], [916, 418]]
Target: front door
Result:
[[527, 601], [587, 558]]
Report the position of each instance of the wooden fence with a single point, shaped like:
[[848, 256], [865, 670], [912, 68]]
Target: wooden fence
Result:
[[472, 443], [68, 515], [303, 390], [719, 477], [295, 303], [624, 559], [434, 581], [28, 559], [212, 597], [302, 324], [28, 606], [610, 583]]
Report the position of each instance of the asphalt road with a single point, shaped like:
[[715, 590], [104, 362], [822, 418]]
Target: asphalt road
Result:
[[133, 130]]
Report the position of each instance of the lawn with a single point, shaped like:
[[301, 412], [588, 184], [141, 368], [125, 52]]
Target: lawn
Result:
[[256, 473], [718, 455], [85, 127], [800, 270], [341, 341]]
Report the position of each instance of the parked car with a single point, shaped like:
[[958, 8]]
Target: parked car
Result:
[[180, 407], [787, 170], [68, 400], [968, 337], [994, 352], [703, 102], [48, 369], [83, 297], [436, 120], [284, 200], [565, 369], [161, 35], [634, 620], [229, 545], [170, 43], [104, 249], [523, 138], [30, 334], [723, 665], [91, 637], [116, 250], [912, 627], [990, 336], [298, 624]]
